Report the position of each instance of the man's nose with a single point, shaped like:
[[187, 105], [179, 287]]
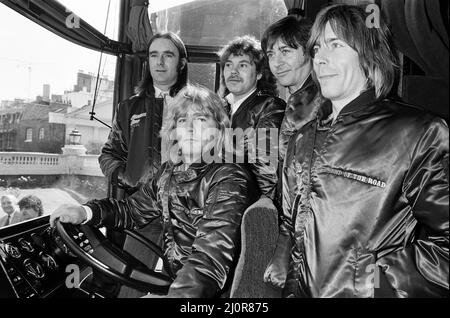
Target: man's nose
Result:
[[234, 69], [189, 124], [278, 59], [161, 60], [321, 56]]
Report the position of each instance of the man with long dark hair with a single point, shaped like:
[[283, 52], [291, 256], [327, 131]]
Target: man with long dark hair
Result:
[[284, 44], [365, 184], [133, 150]]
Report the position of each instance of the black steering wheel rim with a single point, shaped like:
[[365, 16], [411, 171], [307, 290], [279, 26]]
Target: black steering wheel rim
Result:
[[122, 266]]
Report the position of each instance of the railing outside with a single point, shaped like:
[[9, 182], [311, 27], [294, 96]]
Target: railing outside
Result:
[[23, 163]]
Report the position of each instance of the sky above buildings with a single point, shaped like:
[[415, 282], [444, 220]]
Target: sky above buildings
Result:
[[31, 56]]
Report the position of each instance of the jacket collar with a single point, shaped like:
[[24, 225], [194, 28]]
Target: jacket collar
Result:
[[305, 94], [248, 101], [235, 104], [306, 85], [361, 106], [185, 173], [360, 103]]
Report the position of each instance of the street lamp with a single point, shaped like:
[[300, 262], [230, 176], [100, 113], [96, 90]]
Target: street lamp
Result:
[[75, 137]]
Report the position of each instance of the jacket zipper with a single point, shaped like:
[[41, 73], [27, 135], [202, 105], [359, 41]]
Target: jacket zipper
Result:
[[166, 217]]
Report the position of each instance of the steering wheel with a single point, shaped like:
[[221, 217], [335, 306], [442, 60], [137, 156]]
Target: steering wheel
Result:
[[97, 251]]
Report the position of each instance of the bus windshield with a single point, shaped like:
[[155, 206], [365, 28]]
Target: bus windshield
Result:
[[48, 144]]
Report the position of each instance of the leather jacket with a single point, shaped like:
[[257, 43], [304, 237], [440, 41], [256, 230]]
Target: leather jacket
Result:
[[366, 203], [302, 107], [134, 143], [201, 206], [261, 110]]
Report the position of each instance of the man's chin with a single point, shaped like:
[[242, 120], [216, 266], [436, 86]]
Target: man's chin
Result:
[[328, 95], [285, 83], [161, 80], [233, 89]]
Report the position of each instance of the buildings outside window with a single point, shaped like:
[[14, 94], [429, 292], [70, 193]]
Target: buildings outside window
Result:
[[41, 134], [29, 135]]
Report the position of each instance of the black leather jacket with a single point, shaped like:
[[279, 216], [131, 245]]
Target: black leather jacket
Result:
[[301, 108], [260, 110], [201, 207], [366, 203], [134, 143]]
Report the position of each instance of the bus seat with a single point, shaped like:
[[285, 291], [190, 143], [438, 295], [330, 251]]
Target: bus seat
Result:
[[259, 233]]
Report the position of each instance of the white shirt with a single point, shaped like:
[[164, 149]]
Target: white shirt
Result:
[[163, 94], [235, 104], [88, 211]]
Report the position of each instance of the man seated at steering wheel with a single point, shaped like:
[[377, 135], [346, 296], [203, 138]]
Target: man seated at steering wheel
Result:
[[200, 200]]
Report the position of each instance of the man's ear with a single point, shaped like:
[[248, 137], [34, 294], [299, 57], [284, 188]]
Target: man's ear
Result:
[[182, 64], [258, 76]]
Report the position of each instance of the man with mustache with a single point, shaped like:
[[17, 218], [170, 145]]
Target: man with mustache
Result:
[[252, 105]]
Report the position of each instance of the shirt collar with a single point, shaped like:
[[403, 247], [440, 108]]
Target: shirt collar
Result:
[[235, 104], [159, 93]]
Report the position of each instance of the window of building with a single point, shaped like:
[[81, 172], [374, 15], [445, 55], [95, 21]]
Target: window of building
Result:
[[41, 134], [29, 135]]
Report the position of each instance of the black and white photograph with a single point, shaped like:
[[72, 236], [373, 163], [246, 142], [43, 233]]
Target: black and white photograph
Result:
[[237, 153]]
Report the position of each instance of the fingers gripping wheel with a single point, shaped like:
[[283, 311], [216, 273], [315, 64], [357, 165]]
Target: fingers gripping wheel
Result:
[[97, 251]]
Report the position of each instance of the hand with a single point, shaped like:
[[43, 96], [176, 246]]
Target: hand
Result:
[[276, 272], [68, 213]]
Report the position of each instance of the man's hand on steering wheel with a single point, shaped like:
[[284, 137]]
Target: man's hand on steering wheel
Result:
[[92, 247], [68, 213]]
